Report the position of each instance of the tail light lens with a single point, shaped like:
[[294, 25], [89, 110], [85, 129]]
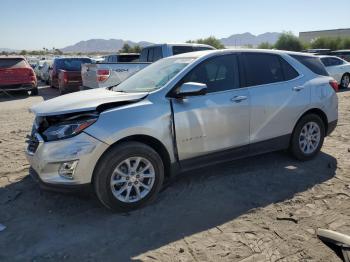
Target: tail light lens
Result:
[[31, 74], [65, 78], [334, 84], [102, 75]]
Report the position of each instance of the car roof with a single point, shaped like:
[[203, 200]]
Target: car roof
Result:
[[180, 44], [338, 51], [199, 54]]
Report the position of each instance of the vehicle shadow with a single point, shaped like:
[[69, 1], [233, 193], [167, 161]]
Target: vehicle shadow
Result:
[[76, 227], [44, 91], [342, 90]]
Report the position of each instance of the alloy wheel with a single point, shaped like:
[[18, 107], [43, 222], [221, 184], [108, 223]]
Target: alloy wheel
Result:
[[309, 137], [133, 179]]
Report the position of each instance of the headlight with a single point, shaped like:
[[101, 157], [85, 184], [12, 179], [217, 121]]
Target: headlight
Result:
[[66, 130]]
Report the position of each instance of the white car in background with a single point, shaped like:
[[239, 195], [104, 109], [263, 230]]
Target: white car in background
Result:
[[338, 68], [45, 71]]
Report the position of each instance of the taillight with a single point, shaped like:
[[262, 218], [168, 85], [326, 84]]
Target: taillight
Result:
[[65, 78], [31, 74], [334, 85], [102, 75]]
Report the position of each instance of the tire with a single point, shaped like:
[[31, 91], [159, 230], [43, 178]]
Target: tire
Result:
[[34, 92], [300, 145], [116, 159], [345, 78]]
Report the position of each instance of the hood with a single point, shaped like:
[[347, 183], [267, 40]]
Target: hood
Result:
[[82, 101]]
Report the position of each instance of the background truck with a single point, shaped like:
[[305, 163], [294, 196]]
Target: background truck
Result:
[[109, 74]]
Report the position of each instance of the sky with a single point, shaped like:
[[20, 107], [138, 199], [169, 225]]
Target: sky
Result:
[[34, 24]]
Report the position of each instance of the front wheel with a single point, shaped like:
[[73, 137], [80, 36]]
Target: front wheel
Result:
[[129, 176], [307, 138]]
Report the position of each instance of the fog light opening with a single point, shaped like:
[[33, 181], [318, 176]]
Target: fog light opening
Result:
[[67, 169]]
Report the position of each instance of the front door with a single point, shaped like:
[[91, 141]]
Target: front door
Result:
[[218, 120]]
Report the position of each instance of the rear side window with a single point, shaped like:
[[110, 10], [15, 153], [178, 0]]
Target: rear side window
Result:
[[150, 55], [127, 58], [12, 63], [313, 63], [144, 54], [288, 71], [218, 73], [262, 69], [182, 49], [157, 53]]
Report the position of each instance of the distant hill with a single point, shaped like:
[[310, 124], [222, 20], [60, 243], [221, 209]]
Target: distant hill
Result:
[[250, 39], [100, 45], [114, 45], [8, 50]]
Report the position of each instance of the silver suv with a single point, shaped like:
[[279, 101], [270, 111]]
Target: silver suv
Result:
[[178, 114]]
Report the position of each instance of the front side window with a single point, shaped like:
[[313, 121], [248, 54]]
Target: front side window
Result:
[[218, 73], [261, 69]]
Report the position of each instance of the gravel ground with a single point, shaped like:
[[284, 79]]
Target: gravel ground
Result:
[[263, 208]]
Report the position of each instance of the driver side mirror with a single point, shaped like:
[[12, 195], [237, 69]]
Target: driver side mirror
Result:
[[191, 89]]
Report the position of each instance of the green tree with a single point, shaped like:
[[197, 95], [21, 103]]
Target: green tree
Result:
[[125, 49], [136, 49], [288, 41], [265, 45], [211, 40], [23, 52]]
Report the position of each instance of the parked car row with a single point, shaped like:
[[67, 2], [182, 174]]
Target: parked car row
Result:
[[338, 68], [179, 113]]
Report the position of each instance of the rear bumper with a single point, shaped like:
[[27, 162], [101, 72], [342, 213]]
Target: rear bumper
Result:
[[18, 87], [331, 126], [71, 87]]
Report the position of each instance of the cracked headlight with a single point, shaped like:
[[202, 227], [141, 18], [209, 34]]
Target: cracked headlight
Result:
[[66, 130]]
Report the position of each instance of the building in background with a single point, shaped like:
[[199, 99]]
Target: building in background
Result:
[[312, 35]]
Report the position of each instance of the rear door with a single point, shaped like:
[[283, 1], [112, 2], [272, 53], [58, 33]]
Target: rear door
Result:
[[218, 120], [277, 95]]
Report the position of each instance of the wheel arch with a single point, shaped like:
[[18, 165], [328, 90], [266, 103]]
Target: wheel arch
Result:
[[147, 140], [316, 111]]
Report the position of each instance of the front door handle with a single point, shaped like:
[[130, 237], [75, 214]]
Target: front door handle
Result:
[[298, 88], [238, 99]]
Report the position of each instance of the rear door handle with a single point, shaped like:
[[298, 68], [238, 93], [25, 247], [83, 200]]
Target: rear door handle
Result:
[[298, 88], [238, 99]]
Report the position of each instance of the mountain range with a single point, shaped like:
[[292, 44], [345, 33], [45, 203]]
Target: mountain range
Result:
[[113, 45]]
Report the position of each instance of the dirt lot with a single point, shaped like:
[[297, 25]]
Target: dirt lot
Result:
[[264, 208]]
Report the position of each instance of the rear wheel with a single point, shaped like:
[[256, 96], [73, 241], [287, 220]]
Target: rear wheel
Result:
[[128, 176], [345, 81], [307, 138]]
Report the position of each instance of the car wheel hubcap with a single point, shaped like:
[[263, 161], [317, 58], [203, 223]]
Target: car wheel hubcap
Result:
[[132, 179], [345, 81], [309, 137]]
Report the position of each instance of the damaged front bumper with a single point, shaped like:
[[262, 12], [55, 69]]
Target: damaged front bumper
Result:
[[67, 162]]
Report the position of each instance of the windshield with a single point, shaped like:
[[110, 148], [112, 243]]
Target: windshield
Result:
[[154, 76]]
